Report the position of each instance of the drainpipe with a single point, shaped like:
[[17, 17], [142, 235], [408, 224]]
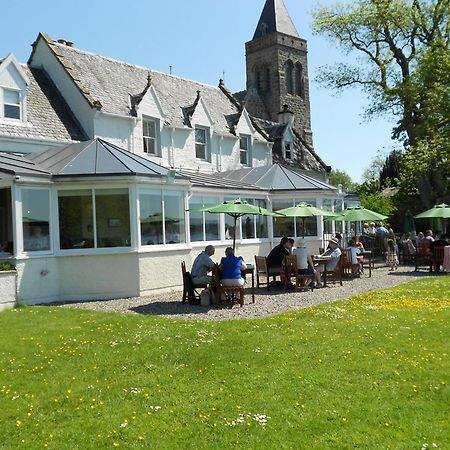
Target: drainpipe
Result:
[[219, 155], [171, 149], [270, 222]]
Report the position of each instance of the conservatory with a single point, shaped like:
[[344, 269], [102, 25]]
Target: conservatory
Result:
[[93, 221]]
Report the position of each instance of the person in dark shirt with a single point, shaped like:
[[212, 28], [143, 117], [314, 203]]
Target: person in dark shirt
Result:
[[276, 255], [441, 242]]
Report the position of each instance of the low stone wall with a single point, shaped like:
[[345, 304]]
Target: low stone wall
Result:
[[8, 280]]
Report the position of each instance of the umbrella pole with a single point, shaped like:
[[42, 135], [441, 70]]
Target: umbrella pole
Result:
[[234, 233]]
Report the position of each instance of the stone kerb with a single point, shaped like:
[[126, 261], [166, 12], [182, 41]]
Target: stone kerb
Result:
[[8, 282]]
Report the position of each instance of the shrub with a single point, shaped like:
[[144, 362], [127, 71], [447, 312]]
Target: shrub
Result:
[[5, 266]]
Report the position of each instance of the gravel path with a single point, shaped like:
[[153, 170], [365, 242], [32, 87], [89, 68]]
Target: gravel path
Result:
[[266, 304]]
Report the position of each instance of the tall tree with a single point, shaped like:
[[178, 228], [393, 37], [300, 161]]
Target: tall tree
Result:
[[343, 178], [404, 67]]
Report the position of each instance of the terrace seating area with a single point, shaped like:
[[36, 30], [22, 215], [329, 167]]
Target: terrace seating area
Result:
[[290, 277]]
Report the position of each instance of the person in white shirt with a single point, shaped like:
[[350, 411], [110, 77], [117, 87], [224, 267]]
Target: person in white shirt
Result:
[[305, 265]]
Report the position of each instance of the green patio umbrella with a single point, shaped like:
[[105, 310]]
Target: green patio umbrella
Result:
[[441, 211], [303, 211], [358, 214], [235, 208]]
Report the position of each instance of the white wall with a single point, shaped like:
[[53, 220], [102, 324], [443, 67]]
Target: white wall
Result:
[[72, 95], [50, 279], [7, 290], [117, 130]]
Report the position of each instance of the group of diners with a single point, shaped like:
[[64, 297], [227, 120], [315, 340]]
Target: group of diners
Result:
[[412, 246], [306, 265], [231, 267]]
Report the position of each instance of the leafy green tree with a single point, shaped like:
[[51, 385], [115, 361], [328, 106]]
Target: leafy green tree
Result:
[[343, 178], [372, 198], [403, 66]]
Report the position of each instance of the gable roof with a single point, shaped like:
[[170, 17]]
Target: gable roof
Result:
[[109, 85], [275, 18], [96, 157], [48, 116], [277, 178]]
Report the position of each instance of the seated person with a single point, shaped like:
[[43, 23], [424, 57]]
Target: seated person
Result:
[[291, 246], [442, 241], [305, 265], [276, 255], [202, 265], [331, 255], [407, 243], [356, 256], [231, 268], [429, 236]]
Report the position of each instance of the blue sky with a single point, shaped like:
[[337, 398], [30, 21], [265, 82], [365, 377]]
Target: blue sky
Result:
[[201, 39]]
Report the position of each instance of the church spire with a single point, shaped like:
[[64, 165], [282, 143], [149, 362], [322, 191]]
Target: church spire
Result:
[[275, 18]]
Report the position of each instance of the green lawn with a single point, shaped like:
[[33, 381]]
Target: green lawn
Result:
[[369, 372]]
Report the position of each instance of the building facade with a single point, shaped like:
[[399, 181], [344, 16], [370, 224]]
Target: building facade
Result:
[[102, 162]]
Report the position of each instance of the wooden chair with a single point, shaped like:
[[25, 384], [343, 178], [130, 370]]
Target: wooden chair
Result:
[[406, 257], [262, 270], [437, 258], [234, 294], [348, 268], [301, 280], [423, 257], [335, 274], [190, 293]]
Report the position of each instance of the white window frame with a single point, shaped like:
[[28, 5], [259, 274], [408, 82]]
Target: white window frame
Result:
[[245, 151], [4, 103], [204, 144], [94, 250], [165, 246], [154, 138], [19, 215]]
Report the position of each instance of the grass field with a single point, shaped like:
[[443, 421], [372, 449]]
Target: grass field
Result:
[[369, 372]]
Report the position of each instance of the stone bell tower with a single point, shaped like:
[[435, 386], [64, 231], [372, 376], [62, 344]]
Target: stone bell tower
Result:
[[277, 69]]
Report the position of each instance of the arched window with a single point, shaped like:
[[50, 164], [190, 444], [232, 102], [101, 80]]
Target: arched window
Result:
[[299, 79], [288, 73], [267, 79], [258, 81]]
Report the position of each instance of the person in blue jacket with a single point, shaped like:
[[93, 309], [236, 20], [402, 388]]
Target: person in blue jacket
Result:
[[231, 268]]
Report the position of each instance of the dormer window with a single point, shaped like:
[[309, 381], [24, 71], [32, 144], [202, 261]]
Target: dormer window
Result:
[[201, 143], [288, 151], [150, 136], [11, 104], [244, 147]]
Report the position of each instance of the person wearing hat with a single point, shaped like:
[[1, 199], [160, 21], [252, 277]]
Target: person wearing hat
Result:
[[305, 265], [331, 256]]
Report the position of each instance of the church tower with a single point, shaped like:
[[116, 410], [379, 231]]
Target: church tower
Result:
[[277, 70]]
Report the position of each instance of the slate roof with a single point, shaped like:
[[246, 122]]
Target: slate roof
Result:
[[277, 178], [96, 157], [275, 18], [17, 165], [48, 116], [215, 180], [108, 85]]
